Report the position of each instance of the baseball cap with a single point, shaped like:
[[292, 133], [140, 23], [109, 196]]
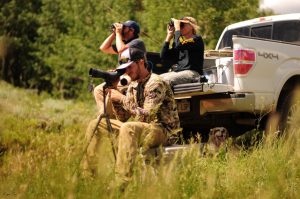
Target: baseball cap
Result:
[[132, 24], [129, 56]]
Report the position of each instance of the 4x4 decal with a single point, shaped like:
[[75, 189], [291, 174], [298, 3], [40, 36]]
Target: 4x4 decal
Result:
[[267, 55]]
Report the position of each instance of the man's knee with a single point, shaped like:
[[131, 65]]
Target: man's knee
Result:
[[168, 81], [127, 128], [155, 137], [169, 78], [98, 91], [91, 128], [130, 131]]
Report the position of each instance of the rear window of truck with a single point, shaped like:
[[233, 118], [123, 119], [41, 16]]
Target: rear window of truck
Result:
[[264, 32], [288, 31], [227, 38]]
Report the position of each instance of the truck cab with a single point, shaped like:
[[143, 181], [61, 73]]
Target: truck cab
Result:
[[284, 28]]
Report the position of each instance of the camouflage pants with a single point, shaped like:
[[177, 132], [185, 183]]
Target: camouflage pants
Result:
[[131, 136], [181, 77]]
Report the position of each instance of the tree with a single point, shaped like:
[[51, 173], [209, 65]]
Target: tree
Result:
[[212, 16], [51, 44], [19, 33]]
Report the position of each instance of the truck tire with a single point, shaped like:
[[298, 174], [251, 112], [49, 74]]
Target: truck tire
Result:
[[289, 109]]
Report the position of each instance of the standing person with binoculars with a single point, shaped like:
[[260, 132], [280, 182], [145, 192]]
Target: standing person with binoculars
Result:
[[125, 35], [187, 52]]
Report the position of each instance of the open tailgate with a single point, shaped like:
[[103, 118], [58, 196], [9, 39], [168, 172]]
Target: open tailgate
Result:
[[199, 88]]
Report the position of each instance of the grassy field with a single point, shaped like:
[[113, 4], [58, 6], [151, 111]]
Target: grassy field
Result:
[[42, 141]]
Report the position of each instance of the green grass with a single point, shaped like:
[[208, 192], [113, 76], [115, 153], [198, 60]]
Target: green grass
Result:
[[42, 140]]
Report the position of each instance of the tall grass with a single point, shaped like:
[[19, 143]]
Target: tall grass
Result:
[[42, 140]]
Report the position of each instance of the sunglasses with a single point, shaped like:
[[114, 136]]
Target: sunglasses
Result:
[[124, 61], [182, 25]]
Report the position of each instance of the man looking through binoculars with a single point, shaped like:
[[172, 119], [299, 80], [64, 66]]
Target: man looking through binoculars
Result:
[[125, 35]]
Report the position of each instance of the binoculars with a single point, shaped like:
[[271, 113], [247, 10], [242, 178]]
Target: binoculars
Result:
[[113, 28]]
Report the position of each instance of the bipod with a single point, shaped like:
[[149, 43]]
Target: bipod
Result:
[[108, 123], [109, 128]]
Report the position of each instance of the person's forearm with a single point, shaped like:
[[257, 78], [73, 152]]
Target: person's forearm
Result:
[[120, 113], [106, 46], [119, 42], [168, 38], [116, 96]]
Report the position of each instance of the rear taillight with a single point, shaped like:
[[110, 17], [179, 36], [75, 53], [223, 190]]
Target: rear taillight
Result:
[[243, 61]]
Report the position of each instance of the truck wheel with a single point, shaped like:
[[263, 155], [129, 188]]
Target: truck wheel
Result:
[[289, 111]]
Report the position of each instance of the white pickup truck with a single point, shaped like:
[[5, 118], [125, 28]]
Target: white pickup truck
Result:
[[252, 72]]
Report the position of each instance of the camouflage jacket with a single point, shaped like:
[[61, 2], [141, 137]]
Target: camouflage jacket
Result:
[[150, 101]]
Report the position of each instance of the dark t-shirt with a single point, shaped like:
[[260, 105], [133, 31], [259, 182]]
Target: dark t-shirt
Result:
[[187, 54]]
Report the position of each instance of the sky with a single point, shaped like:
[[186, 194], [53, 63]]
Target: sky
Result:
[[282, 6]]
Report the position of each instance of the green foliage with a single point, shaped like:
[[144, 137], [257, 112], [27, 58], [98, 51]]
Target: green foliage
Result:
[[42, 141], [18, 34], [50, 45]]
